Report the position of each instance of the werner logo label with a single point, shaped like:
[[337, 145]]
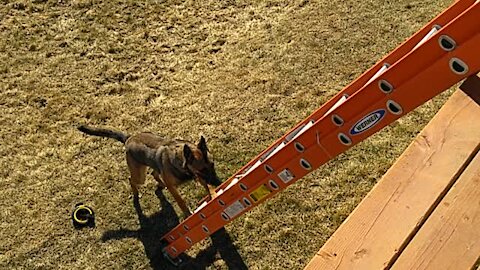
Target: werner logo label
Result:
[[367, 122]]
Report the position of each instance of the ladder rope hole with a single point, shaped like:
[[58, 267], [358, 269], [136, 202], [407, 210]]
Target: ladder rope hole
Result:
[[268, 168], [273, 184], [337, 120], [247, 202], [385, 86], [394, 107], [205, 229], [447, 43], [225, 217], [344, 139], [300, 148], [243, 187], [458, 66], [305, 164]]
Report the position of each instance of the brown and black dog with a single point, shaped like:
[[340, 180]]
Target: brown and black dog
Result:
[[174, 162]]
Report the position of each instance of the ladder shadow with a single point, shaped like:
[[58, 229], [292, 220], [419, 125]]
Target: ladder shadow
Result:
[[222, 245], [153, 227]]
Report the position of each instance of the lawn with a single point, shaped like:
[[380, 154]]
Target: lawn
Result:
[[241, 73]]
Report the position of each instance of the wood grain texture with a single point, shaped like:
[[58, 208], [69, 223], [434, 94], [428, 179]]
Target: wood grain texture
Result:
[[450, 238], [377, 231]]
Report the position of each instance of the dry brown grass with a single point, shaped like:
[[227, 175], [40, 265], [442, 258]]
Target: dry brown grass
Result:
[[239, 72]]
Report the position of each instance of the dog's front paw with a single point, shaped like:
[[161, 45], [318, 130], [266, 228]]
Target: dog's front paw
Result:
[[186, 214], [135, 196]]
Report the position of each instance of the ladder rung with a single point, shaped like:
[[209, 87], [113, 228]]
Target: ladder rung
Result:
[[338, 103], [432, 32], [379, 72], [297, 132]]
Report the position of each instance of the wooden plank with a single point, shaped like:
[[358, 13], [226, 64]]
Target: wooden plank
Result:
[[450, 238], [379, 228]]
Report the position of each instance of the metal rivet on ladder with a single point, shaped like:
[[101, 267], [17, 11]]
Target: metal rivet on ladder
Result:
[[268, 169], [188, 240], [186, 228], [458, 66], [305, 164], [344, 139], [205, 229], [447, 43], [202, 216], [225, 216], [243, 187], [273, 184], [385, 86], [337, 120], [394, 107], [247, 202], [300, 148]]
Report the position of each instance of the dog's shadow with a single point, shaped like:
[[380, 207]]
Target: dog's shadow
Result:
[[152, 229]]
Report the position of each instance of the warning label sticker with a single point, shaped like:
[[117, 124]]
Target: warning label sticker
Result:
[[286, 176], [259, 193], [234, 209]]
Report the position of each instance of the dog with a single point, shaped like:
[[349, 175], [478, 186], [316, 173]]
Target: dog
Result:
[[174, 162]]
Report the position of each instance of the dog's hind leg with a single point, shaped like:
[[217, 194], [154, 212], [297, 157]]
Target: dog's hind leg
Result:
[[137, 174]]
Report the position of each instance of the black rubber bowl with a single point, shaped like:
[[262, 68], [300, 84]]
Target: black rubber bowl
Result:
[[83, 216]]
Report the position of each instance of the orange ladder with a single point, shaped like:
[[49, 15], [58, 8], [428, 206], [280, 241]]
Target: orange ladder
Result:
[[444, 52]]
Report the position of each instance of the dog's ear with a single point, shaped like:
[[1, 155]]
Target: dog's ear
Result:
[[187, 154], [202, 145]]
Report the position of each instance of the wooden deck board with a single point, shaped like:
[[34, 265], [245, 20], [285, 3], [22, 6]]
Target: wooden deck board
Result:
[[450, 238], [374, 235]]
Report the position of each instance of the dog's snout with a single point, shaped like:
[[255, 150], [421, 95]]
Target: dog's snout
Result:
[[215, 181], [212, 178]]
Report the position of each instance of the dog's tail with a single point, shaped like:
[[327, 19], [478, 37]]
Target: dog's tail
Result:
[[103, 132]]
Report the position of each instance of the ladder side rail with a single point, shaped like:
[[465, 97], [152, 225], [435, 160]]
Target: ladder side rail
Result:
[[261, 176], [403, 95], [466, 26], [420, 53], [351, 89], [461, 21], [416, 61], [199, 220], [357, 84]]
